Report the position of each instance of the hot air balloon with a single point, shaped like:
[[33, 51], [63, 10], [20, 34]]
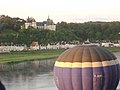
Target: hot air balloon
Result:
[[86, 67]]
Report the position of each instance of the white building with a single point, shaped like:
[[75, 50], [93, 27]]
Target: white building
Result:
[[45, 25], [30, 22], [58, 46], [11, 48], [116, 45], [90, 43], [107, 44]]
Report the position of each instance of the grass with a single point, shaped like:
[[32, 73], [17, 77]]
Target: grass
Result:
[[115, 50], [15, 57]]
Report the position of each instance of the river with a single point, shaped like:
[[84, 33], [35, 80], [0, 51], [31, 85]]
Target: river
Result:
[[34, 75]]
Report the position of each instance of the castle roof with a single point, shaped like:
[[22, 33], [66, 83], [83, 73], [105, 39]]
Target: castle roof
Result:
[[40, 23], [30, 20]]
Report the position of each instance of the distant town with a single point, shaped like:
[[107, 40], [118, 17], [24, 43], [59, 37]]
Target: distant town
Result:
[[64, 45], [17, 34]]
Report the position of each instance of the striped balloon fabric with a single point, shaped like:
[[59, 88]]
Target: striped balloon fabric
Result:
[[87, 67]]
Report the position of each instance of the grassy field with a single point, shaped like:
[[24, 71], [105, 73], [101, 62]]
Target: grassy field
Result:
[[29, 55], [115, 50], [14, 57]]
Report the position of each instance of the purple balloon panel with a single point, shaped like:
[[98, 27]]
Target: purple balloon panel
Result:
[[93, 78]]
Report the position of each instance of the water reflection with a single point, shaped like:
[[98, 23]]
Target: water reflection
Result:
[[34, 82], [35, 75]]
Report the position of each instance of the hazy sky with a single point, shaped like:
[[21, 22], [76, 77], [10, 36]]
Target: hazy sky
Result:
[[63, 10]]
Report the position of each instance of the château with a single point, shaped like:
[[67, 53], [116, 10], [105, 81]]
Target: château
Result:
[[45, 25]]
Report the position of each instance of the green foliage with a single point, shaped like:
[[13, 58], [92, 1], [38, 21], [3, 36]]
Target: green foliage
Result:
[[7, 22], [113, 49], [93, 30], [10, 32]]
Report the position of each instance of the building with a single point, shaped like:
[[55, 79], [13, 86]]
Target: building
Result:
[[34, 46], [107, 44], [30, 22], [45, 25], [90, 43], [8, 48]]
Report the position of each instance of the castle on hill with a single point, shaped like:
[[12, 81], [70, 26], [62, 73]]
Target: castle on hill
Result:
[[45, 25]]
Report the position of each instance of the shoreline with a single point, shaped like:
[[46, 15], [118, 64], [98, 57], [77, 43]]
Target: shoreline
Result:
[[24, 56]]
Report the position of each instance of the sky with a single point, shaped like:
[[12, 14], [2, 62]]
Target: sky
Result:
[[63, 10]]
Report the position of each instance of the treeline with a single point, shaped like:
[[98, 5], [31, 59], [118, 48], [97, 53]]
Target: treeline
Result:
[[10, 32], [93, 30], [42, 36], [7, 22]]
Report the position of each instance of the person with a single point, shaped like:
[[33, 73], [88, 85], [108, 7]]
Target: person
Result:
[[2, 87]]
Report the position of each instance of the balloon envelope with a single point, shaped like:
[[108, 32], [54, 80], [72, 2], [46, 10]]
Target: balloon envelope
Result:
[[86, 67]]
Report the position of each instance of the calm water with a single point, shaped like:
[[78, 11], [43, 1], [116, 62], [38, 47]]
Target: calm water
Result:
[[29, 76], [33, 75]]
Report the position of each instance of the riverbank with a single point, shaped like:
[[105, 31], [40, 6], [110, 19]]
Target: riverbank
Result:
[[25, 75], [15, 57], [115, 50]]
